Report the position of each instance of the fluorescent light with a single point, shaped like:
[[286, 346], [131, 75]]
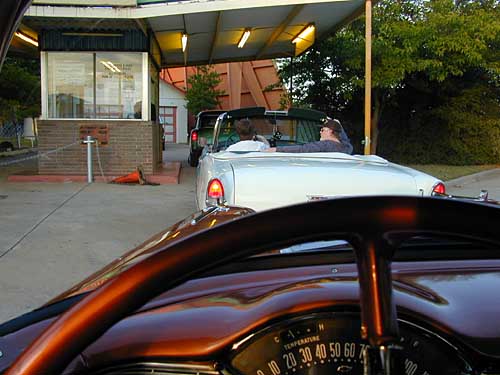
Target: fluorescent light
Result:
[[184, 40], [304, 33], [114, 67], [107, 65], [243, 38], [26, 38]]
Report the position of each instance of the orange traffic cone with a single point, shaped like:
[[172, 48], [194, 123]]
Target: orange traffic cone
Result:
[[135, 177]]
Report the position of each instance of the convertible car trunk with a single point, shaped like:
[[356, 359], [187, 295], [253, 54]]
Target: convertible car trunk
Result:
[[282, 181]]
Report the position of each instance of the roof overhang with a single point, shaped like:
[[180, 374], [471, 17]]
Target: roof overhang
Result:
[[213, 27]]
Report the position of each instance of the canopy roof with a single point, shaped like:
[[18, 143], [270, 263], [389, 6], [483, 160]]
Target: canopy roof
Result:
[[213, 27]]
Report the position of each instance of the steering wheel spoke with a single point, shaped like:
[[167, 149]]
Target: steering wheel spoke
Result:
[[374, 255]]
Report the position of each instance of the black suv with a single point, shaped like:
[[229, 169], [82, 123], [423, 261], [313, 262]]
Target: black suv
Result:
[[205, 122]]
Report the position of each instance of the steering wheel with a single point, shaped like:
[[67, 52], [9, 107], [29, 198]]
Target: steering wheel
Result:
[[373, 225], [230, 139]]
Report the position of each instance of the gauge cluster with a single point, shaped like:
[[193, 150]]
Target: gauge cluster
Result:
[[330, 343]]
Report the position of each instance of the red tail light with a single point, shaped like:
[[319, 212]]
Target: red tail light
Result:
[[215, 189], [194, 136], [439, 188]]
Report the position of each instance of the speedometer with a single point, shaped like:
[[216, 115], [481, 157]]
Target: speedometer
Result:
[[330, 343]]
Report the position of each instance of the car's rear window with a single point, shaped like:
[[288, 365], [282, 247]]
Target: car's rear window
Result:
[[207, 121]]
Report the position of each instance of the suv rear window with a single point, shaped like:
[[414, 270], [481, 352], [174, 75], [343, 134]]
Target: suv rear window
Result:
[[207, 121]]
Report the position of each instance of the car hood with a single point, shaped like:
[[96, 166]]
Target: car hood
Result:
[[264, 181], [199, 221]]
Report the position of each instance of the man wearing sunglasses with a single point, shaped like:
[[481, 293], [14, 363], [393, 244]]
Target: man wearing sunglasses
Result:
[[332, 139]]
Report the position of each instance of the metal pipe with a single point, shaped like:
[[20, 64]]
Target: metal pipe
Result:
[[368, 75], [89, 140]]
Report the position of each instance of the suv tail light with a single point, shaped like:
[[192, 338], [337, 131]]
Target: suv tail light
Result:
[[194, 136], [439, 189], [215, 189]]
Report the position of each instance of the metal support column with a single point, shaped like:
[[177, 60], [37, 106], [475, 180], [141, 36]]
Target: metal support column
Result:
[[368, 75]]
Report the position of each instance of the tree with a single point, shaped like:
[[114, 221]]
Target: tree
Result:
[[19, 90], [202, 92], [430, 40]]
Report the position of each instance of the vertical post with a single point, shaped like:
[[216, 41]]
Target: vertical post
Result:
[[368, 75], [89, 140], [291, 81], [146, 98], [18, 136], [44, 86]]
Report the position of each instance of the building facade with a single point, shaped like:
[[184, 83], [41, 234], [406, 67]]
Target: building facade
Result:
[[101, 63]]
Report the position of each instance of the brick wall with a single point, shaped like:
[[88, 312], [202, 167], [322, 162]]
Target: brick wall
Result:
[[130, 144]]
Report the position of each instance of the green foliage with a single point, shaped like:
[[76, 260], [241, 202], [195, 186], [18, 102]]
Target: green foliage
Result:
[[430, 59], [464, 129], [202, 92], [19, 90]]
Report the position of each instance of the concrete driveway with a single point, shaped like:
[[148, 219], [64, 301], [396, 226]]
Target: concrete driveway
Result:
[[53, 234]]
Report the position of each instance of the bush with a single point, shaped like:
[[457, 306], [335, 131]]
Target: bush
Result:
[[465, 130]]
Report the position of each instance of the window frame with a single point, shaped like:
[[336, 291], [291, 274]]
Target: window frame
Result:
[[146, 115]]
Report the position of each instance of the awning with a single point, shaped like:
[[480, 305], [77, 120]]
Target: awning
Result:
[[213, 29]]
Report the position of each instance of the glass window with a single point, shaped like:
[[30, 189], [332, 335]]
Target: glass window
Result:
[[155, 91], [119, 85], [94, 85], [70, 85]]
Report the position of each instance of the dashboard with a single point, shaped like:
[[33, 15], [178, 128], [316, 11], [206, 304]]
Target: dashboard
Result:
[[318, 343], [298, 321]]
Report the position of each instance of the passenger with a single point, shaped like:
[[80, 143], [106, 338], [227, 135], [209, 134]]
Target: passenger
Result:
[[332, 139], [249, 140]]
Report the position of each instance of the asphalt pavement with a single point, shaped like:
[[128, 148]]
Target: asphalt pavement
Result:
[[472, 185], [55, 234]]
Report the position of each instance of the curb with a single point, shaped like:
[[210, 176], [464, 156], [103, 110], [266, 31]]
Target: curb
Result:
[[464, 180], [22, 151], [168, 175]]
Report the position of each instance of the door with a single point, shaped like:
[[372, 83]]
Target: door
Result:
[[168, 120]]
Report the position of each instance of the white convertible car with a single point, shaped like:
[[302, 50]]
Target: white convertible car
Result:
[[261, 180]]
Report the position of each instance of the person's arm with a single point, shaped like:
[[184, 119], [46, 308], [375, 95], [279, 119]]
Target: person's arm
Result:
[[344, 139], [306, 147]]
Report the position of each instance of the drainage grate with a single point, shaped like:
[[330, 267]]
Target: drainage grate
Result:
[[3, 196]]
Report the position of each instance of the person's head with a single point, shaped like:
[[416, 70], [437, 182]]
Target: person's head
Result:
[[245, 129], [331, 130]]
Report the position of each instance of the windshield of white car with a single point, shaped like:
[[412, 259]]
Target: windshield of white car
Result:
[[279, 131]]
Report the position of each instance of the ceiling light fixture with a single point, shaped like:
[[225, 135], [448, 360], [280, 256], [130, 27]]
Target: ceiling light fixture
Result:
[[26, 38], [107, 65], [244, 38], [306, 31], [114, 67], [184, 40]]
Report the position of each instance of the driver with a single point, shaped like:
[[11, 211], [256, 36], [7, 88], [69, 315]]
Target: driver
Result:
[[332, 139], [249, 140]]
